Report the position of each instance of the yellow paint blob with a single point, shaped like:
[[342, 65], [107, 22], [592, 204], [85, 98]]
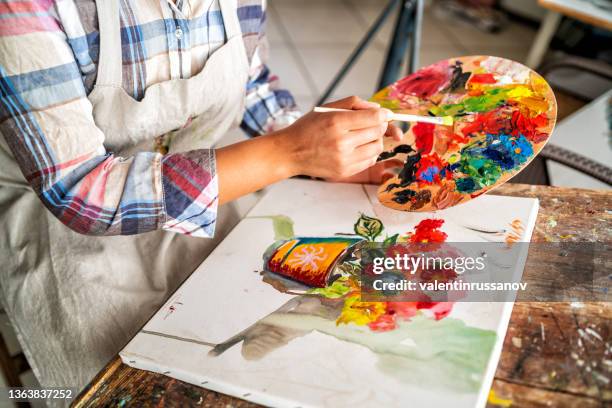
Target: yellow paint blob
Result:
[[500, 402], [532, 103], [519, 92]]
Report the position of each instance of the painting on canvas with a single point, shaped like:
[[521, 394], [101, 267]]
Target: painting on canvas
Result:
[[274, 314]]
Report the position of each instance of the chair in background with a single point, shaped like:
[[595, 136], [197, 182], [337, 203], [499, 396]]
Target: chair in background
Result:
[[537, 171]]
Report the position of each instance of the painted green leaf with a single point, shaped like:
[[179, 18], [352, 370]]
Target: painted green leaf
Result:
[[390, 240], [334, 291], [283, 226], [368, 227]]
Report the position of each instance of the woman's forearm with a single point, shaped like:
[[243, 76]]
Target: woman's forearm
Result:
[[249, 166], [332, 145]]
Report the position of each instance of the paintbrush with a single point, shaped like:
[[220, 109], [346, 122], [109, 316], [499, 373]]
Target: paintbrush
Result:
[[401, 117]]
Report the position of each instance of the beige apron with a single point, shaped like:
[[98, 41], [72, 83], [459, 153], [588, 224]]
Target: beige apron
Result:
[[75, 300]]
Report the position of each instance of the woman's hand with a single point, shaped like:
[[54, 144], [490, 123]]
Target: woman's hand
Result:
[[336, 145], [331, 145]]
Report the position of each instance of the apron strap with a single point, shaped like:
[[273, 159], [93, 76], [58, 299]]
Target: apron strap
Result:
[[229, 11], [110, 61]]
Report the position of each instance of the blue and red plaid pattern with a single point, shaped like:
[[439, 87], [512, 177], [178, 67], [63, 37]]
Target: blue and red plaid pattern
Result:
[[48, 66]]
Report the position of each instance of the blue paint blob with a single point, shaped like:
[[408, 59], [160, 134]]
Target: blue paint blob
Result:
[[429, 174], [466, 185]]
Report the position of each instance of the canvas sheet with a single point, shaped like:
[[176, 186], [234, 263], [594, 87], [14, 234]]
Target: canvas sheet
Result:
[[228, 330]]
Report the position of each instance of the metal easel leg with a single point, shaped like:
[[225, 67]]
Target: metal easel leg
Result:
[[365, 41], [415, 39], [406, 35]]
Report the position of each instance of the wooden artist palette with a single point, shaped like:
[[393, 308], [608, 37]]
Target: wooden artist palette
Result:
[[503, 115]]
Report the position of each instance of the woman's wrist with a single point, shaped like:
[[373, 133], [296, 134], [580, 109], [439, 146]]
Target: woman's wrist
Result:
[[248, 166], [287, 153]]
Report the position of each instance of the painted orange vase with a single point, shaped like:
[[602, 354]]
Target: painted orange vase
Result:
[[310, 261]]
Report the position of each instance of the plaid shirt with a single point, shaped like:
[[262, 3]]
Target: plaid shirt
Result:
[[48, 65]]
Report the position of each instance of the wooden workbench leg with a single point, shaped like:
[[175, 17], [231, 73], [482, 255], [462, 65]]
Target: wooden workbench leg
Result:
[[545, 34]]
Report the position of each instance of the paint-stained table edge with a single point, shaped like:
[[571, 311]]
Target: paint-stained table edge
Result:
[[505, 391]]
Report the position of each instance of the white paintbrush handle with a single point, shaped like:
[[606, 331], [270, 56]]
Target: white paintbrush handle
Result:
[[402, 117], [323, 109]]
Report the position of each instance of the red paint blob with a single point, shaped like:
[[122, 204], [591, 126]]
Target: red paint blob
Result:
[[482, 79], [489, 122], [424, 133], [431, 165], [528, 127], [424, 83]]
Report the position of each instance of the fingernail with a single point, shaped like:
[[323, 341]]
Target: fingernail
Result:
[[373, 104]]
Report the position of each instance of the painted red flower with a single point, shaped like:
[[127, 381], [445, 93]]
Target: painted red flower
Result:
[[384, 323], [442, 309], [439, 309], [427, 231], [400, 249], [393, 312], [404, 310]]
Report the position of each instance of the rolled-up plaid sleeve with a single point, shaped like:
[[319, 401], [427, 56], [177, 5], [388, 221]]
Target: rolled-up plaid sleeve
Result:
[[47, 122], [269, 106]]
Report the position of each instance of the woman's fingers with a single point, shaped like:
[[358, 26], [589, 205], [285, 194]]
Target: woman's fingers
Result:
[[394, 132], [364, 160], [338, 144], [360, 114], [363, 104], [361, 137], [369, 151], [358, 119]]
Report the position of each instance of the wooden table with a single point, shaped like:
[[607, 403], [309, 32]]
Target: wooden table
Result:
[[551, 358], [582, 10]]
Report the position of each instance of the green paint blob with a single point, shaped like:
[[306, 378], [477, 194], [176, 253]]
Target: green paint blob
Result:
[[486, 102], [336, 290], [482, 171]]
